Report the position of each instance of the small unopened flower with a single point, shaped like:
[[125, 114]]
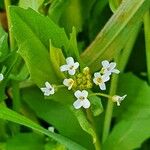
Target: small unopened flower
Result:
[[69, 83], [81, 99], [118, 99], [71, 66], [109, 68], [51, 129], [48, 89], [100, 80], [1, 76]]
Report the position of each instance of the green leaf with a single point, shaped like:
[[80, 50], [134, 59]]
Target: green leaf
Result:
[[133, 116], [3, 45], [84, 123], [114, 4], [72, 45], [57, 59], [25, 141], [41, 28], [34, 4], [54, 113], [113, 36], [35, 53], [96, 105], [10, 115]]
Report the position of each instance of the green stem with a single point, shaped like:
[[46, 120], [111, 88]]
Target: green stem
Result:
[[11, 38], [97, 144], [124, 56], [147, 41], [60, 86], [100, 94], [109, 108]]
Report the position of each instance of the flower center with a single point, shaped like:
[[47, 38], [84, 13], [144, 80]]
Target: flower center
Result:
[[71, 67], [50, 89], [81, 98], [99, 80], [70, 82]]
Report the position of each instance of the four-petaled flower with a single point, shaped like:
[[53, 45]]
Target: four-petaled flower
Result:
[[1, 76], [100, 80], [81, 99], [118, 99], [69, 83], [48, 89], [71, 66], [109, 68]]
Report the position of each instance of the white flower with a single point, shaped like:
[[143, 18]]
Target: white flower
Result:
[[51, 129], [48, 89], [69, 83], [100, 80], [118, 99], [1, 76], [109, 68], [71, 66], [81, 99]]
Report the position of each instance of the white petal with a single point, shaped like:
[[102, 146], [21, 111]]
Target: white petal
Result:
[[43, 89], [102, 86], [66, 82], [70, 60], [86, 103], [95, 81], [97, 74], [1, 76], [51, 129], [116, 71], [112, 65], [71, 71], [118, 103], [77, 94], [85, 93], [47, 84], [123, 97], [105, 78], [47, 93], [105, 63], [64, 68], [52, 91], [76, 65], [77, 104]]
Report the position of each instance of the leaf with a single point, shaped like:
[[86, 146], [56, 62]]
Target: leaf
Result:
[[34, 4], [84, 123], [41, 28], [25, 141], [57, 59], [72, 45], [40, 71], [133, 116], [114, 4], [113, 36], [54, 114], [3, 45], [96, 105], [10, 115]]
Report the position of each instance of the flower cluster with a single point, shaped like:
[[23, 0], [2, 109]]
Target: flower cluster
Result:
[[81, 81]]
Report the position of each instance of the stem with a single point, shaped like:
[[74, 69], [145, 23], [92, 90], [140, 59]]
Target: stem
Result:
[[124, 56], [59, 86], [101, 94], [147, 41], [109, 109], [97, 144], [11, 39]]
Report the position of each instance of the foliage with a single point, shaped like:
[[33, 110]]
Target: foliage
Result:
[[41, 35]]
